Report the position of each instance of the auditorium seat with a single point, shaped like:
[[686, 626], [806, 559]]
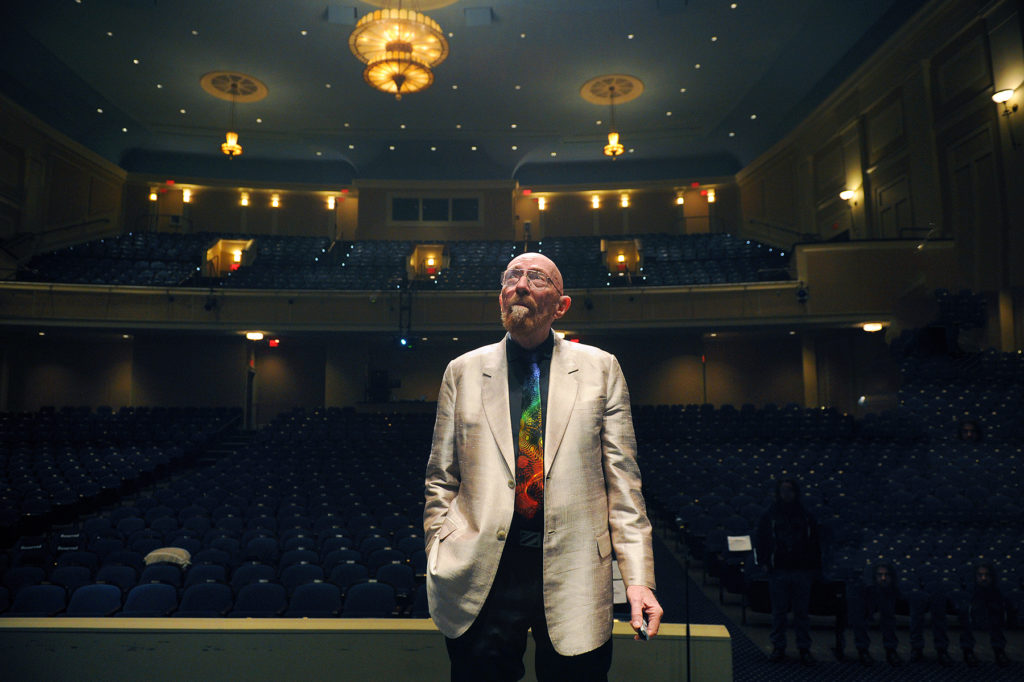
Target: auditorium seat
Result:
[[400, 577], [205, 600], [94, 600], [71, 577], [38, 601], [262, 599], [250, 572], [152, 600], [369, 600], [300, 574], [314, 600], [124, 577]]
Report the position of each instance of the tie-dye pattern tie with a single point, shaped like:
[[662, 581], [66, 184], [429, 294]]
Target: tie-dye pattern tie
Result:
[[530, 462]]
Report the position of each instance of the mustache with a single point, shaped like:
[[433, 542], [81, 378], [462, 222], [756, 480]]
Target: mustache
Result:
[[523, 301]]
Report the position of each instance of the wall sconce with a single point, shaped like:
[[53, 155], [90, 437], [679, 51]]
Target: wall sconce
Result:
[[872, 327], [542, 204], [153, 195], [624, 200], [711, 196], [1002, 97], [244, 201], [680, 199], [847, 194], [595, 201], [186, 196], [275, 200], [330, 203]]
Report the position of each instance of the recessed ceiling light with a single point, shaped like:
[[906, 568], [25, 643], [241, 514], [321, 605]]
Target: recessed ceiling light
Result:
[[522, 35], [110, 34], [512, 125], [124, 130], [631, 150], [473, 148], [182, 111], [554, 153], [159, 86], [99, 110], [519, 87], [319, 153], [327, 85], [458, 126], [451, 35], [304, 32], [402, 126], [391, 147], [734, 5], [732, 134], [455, 86], [682, 89], [668, 113], [135, 61], [597, 122], [630, 36], [351, 146], [714, 39], [259, 120], [696, 66], [346, 125], [753, 116], [515, 147], [195, 32]]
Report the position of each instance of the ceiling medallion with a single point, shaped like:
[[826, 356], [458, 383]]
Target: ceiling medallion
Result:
[[399, 48]]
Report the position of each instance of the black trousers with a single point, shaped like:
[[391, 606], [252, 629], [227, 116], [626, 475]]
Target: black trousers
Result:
[[493, 647]]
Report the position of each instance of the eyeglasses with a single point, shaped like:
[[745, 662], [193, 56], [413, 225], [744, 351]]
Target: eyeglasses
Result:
[[537, 279]]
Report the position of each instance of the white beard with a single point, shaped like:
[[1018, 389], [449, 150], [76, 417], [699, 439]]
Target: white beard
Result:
[[516, 318]]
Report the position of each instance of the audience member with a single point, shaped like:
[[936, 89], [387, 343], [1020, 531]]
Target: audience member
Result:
[[863, 602], [982, 605], [789, 548]]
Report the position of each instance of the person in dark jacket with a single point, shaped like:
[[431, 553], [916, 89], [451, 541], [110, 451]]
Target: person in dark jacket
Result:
[[866, 600], [982, 606], [789, 547]]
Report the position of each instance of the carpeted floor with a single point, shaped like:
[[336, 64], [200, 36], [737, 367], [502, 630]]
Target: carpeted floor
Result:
[[750, 643]]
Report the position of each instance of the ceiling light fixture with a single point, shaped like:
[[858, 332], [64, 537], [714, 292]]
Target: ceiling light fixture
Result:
[[614, 148], [399, 48], [230, 145]]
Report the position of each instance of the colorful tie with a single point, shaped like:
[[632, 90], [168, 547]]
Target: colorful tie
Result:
[[530, 462]]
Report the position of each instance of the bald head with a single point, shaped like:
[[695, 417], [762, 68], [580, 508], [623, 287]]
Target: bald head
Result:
[[538, 261]]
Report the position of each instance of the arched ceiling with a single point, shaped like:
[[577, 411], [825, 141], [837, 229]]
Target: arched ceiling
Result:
[[721, 82]]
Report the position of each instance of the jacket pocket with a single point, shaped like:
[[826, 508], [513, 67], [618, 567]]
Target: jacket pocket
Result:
[[604, 544]]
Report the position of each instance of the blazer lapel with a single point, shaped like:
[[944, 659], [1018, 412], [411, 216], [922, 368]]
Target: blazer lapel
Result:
[[495, 402], [563, 386]]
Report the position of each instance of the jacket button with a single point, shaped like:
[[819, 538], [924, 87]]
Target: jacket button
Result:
[[501, 536], [511, 483]]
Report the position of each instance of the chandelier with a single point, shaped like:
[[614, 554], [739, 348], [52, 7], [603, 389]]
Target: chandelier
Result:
[[230, 145], [399, 48], [614, 147]]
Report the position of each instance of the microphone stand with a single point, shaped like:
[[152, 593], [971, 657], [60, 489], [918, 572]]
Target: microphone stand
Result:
[[686, 609]]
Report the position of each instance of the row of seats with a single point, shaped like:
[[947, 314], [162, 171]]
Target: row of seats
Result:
[[163, 259], [261, 599]]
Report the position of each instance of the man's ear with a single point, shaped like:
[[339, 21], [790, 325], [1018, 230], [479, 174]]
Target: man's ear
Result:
[[564, 303]]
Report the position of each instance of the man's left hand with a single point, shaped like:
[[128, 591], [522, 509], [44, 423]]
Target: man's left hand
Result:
[[643, 603]]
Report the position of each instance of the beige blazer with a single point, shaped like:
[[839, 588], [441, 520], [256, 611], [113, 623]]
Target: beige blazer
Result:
[[592, 498]]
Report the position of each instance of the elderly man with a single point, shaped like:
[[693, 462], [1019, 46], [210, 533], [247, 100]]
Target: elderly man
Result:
[[532, 482]]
